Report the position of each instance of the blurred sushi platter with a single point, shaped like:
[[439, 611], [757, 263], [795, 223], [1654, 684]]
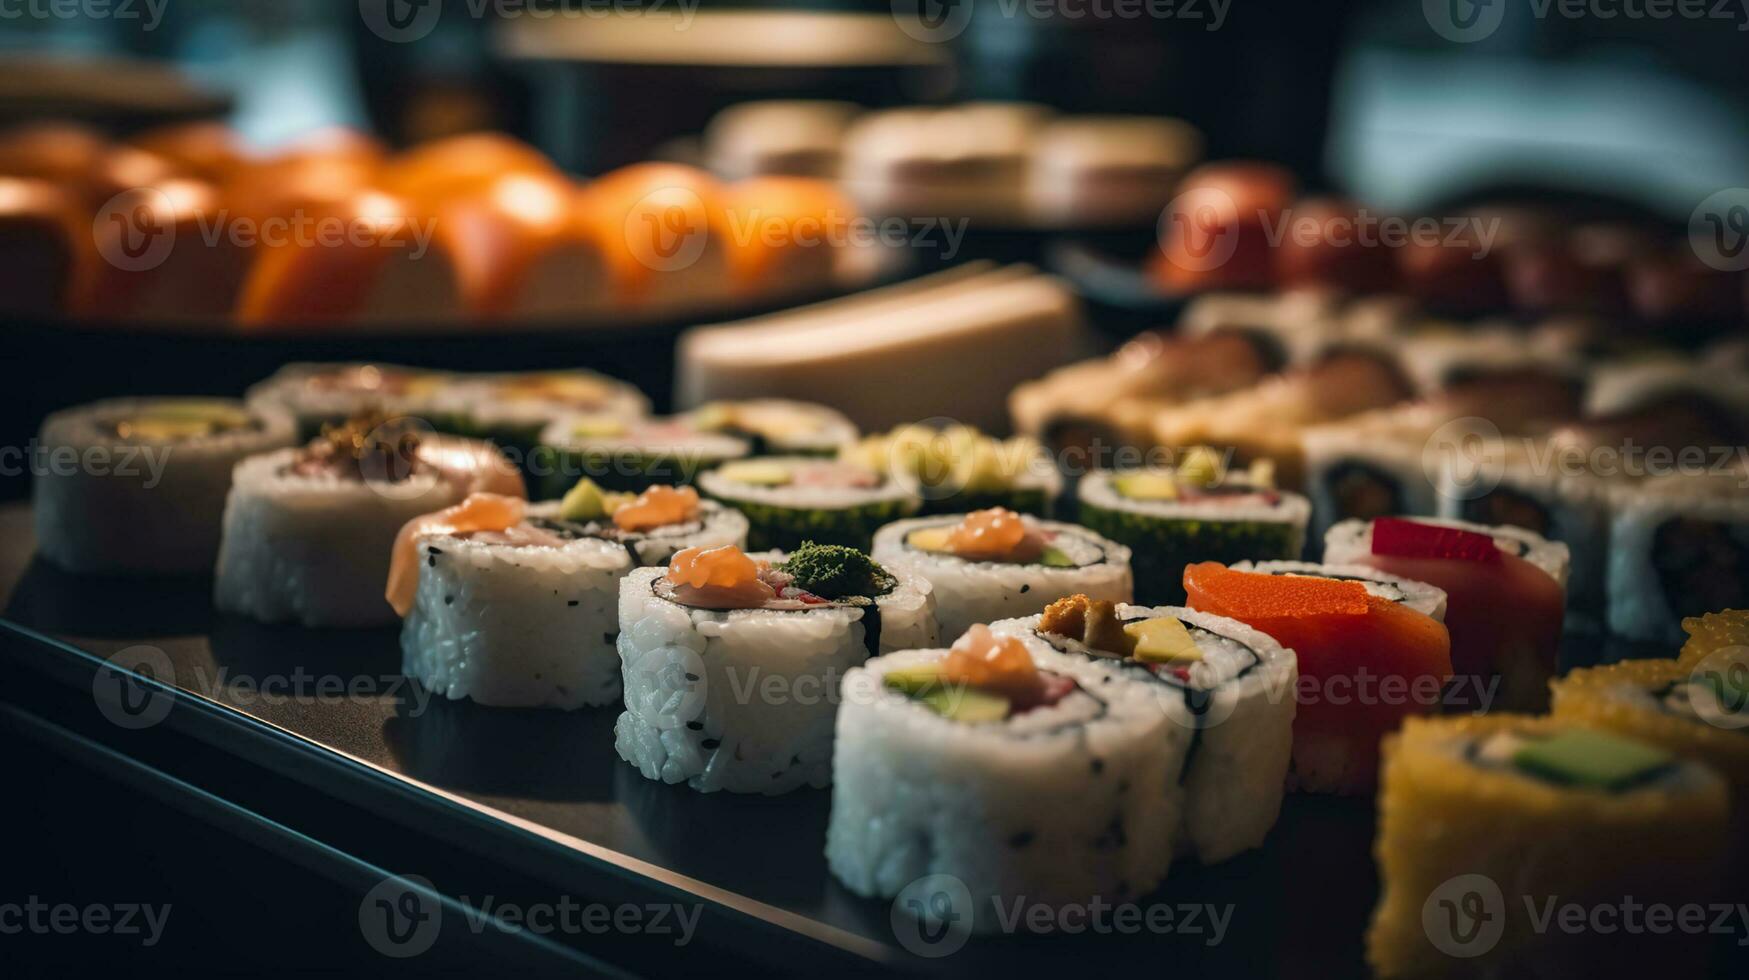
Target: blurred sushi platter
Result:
[[895, 621]]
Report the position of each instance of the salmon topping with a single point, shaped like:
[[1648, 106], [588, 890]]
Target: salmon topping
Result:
[[479, 512], [997, 534], [718, 578], [656, 507], [986, 662]]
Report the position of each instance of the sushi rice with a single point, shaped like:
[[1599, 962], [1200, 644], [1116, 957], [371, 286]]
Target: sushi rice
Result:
[[1238, 701], [156, 502], [1058, 806], [700, 705], [520, 625], [969, 592]]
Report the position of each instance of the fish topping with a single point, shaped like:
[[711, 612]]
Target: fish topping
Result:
[[719, 578], [996, 534], [479, 512]]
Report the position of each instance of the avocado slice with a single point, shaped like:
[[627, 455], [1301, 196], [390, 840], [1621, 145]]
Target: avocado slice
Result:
[[966, 705], [1201, 467], [1055, 558], [172, 420], [1584, 757], [1146, 486], [598, 427], [913, 680], [1163, 640], [583, 502], [755, 472]]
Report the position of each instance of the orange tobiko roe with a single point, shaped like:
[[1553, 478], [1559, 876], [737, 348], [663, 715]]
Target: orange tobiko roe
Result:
[[996, 534], [479, 512], [656, 507], [1337, 630], [999, 664]]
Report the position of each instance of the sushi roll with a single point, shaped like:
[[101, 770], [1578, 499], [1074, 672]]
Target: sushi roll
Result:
[[1565, 485], [1389, 462], [1023, 773], [1697, 708], [320, 395], [1486, 821], [1366, 662], [958, 469], [1428, 600], [1506, 592], [514, 409], [1679, 547], [518, 606], [1169, 517], [777, 426], [1230, 684], [792, 499], [137, 485], [997, 564], [732, 661], [626, 454], [309, 532]]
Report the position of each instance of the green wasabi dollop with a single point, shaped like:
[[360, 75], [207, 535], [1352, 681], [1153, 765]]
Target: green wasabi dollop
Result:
[[834, 571]]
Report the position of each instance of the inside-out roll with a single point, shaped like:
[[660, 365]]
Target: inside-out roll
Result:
[[1231, 685], [1053, 782], [732, 662], [138, 485], [519, 606], [309, 532], [996, 564]]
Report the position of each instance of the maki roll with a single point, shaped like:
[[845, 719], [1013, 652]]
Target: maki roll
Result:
[[1506, 593], [1196, 512], [514, 409], [1024, 773], [309, 532], [1486, 821], [732, 662], [1679, 547], [626, 454], [1366, 662], [777, 426], [137, 485], [958, 469], [1429, 600], [1388, 462], [1697, 708], [792, 499], [996, 564], [518, 606], [320, 395], [1231, 685]]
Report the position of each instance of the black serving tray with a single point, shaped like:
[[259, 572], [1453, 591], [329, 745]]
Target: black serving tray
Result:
[[524, 802]]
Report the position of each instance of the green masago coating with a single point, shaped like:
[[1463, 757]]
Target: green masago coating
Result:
[[1161, 547], [771, 526], [835, 571]]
